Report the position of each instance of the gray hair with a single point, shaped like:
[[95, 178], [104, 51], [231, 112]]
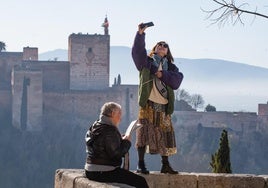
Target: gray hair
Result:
[[110, 107]]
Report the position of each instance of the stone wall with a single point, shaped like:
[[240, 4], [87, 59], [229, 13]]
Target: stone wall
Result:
[[263, 113], [89, 61], [74, 178], [5, 105], [7, 61], [33, 101], [55, 74], [263, 109], [30, 54], [79, 107], [237, 121]]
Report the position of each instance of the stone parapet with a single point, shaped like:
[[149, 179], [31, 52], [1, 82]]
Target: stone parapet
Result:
[[74, 178]]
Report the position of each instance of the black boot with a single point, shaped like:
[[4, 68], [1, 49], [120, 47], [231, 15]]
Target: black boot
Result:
[[141, 165], [166, 168], [141, 168]]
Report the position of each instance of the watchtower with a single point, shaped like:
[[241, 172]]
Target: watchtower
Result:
[[30, 54], [27, 98], [89, 57]]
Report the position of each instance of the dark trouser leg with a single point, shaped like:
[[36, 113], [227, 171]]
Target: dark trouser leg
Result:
[[118, 175], [141, 153], [166, 168], [141, 164]]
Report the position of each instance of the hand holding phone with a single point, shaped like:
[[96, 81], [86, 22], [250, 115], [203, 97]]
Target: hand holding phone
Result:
[[148, 24]]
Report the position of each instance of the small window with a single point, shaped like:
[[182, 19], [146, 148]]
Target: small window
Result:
[[89, 50]]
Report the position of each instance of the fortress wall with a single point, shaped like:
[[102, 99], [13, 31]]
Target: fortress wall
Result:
[[263, 113], [81, 107], [55, 74], [263, 109], [33, 100], [130, 106], [5, 105], [7, 61], [30, 53], [238, 121]]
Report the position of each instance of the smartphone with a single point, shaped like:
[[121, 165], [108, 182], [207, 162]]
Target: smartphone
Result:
[[148, 24]]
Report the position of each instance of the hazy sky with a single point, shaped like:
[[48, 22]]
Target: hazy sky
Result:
[[47, 25]]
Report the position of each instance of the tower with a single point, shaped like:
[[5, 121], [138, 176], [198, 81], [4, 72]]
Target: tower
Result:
[[89, 57], [27, 98], [30, 54]]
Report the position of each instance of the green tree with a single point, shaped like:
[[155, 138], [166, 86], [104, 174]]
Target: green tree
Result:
[[23, 110], [2, 46], [220, 161], [119, 80], [210, 108]]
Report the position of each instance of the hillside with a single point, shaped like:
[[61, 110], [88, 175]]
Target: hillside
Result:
[[230, 86]]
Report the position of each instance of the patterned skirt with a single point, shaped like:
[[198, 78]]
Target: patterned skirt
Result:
[[157, 132]]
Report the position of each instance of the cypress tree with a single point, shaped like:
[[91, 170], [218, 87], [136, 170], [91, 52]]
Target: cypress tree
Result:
[[220, 160], [23, 109], [119, 80]]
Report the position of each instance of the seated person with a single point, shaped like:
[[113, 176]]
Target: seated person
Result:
[[106, 147]]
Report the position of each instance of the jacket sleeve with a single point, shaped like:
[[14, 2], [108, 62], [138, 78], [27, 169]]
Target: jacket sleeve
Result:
[[139, 54], [115, 146], [172, 77]]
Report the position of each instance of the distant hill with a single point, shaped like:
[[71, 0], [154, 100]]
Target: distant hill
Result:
[[59, 54], [229, 86]]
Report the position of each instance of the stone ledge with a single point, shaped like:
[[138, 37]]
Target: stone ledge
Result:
[[74, 178]]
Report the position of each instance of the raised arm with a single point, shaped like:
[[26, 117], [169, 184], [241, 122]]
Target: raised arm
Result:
[[139, 53]]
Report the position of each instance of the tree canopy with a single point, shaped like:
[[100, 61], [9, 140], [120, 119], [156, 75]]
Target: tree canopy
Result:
[[2, 46], [220, 161], [210, 108]]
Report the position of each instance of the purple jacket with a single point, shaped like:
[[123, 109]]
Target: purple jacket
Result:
[[171, 77]]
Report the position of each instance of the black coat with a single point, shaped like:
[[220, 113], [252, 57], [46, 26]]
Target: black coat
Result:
[[105, 145]]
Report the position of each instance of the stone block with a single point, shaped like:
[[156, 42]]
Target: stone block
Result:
[[229, 181], [158, 180], [75, 178], [265, 177]]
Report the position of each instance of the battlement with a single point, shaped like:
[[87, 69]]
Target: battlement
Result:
[[71, 178]]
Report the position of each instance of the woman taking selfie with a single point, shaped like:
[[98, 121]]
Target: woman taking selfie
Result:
[[159, 77]]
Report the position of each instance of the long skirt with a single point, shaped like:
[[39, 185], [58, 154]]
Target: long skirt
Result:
[[156, 132]]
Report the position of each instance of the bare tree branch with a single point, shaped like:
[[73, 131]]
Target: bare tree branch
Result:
[[229, 11]]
